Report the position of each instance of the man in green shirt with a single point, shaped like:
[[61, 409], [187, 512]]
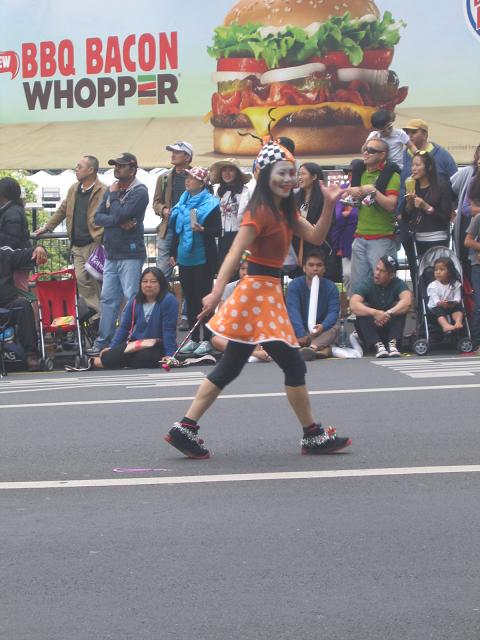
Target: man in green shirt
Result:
[[381, 304], [375, 233]]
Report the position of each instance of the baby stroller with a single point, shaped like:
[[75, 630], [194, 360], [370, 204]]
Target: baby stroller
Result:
[[11, 352], [427, 331], [61, 332]]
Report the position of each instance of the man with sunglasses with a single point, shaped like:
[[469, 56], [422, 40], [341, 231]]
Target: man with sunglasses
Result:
[[121, 213], [375, 233]]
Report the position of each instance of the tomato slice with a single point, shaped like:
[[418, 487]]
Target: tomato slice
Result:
[[372, 59], [377, 58], [337, 59], [242, 64]]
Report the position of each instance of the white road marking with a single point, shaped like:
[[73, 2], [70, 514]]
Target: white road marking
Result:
[[240, 477], [452, 367], [86, 382], [241, 396], [449, 373]]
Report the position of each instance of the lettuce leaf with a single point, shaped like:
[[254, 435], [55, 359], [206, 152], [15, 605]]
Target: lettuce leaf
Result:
[[296, 45]]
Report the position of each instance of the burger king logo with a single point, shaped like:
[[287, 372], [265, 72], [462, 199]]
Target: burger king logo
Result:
[[472, 15]]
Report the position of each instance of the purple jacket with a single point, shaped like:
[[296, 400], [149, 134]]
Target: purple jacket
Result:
[[343, 231]]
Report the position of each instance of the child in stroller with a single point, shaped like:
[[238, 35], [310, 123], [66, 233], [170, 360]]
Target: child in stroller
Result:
[[433, 286], [445, 295]]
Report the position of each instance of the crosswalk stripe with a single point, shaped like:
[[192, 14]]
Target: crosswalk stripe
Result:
[[433, 368], [86, 382]]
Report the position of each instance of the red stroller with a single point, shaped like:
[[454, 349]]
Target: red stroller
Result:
[[56, 294]]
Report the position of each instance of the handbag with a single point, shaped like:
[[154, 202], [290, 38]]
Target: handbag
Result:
[[96, 262], [138, 345]]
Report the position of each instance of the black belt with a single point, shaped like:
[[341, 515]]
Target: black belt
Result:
[[255, 269]]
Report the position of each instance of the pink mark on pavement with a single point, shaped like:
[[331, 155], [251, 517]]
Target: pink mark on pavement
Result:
[[135, 470]]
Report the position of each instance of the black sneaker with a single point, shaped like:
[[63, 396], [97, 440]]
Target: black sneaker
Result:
[[185, 439], [318, 441]]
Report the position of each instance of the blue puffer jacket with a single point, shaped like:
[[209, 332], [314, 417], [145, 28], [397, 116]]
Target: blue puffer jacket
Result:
[[116, 208], [191, 246]]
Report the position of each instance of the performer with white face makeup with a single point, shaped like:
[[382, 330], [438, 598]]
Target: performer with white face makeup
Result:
[[255, 313]]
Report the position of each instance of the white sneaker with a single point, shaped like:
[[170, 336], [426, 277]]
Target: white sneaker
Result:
[[189, 348], [203, 348], [393, 352], [381, 351]]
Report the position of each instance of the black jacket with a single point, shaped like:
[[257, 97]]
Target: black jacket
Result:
[[10, 261], [13, 227], [420, 220]]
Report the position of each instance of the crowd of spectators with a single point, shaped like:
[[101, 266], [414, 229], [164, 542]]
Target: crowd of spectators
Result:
[[404, 188]]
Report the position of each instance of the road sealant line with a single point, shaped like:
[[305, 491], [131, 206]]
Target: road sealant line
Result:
[[240, 477]]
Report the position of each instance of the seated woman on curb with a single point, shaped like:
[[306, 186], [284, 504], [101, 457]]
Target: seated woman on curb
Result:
[[151, 313]]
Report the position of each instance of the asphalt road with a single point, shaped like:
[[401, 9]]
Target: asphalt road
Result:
[[380, 542]]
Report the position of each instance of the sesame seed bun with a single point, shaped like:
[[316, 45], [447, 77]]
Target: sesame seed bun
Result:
[[301, 13]]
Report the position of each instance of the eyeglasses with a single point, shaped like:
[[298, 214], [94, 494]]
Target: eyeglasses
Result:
[[371, 150]]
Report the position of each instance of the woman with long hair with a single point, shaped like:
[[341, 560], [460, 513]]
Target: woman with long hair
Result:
[[233, 193], [428, 208], [14, 231], [255, 313], [196, 222], [466, 186], [149, 315], [309, 202]]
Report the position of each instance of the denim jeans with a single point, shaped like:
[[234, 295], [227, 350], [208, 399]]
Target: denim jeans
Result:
[[121, 280], [366, 254], [163, 254], [475, 329]]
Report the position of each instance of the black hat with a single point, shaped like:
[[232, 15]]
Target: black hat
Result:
[[124, 158], [390, 263]]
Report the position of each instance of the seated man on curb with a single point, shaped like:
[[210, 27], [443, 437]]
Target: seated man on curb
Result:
[[10, 261], [316, 343], [381, 306]]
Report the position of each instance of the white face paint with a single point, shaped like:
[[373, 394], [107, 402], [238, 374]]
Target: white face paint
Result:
[[282, 178]]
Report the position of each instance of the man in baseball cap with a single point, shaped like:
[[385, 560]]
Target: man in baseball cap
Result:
[[414, 124], [124, 158], [168, 190], [381, 304], [121, 212], [183, 146]]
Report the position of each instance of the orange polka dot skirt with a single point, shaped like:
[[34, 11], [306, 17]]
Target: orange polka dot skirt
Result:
[[255, 312]]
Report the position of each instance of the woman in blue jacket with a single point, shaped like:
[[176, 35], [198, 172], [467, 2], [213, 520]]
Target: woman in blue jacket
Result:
[[196, 221], [152, 313]]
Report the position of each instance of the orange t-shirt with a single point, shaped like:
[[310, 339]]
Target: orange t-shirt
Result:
[[273, 240]]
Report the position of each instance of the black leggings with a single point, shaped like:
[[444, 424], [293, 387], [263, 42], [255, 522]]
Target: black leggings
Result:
[[237, 353], [116, 358]]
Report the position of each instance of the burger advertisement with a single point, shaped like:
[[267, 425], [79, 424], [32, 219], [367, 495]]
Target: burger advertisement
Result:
[[222, 74], [319, 68]]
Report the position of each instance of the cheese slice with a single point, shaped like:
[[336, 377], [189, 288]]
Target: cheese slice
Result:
[[260, 118]]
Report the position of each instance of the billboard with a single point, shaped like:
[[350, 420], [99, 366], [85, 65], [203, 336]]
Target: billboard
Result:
[[123, 77]]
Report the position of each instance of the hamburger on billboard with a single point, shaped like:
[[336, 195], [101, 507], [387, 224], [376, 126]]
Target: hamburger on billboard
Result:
[[323, 66]]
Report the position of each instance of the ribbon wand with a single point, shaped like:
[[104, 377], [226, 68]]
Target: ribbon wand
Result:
[[171, 361]]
